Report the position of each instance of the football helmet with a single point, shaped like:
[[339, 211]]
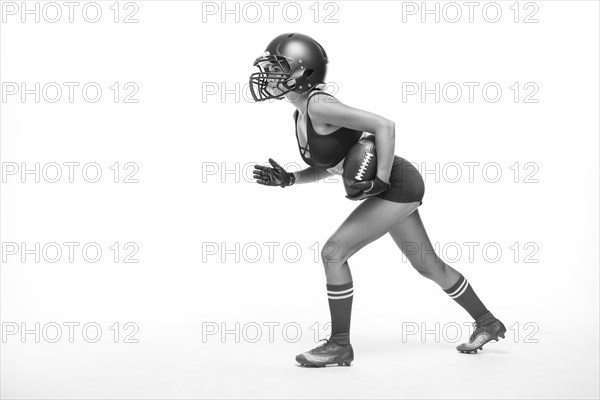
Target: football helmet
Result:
[[292, 62]]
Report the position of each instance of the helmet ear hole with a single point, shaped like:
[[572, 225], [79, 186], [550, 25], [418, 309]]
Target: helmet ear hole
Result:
[[308, 73]]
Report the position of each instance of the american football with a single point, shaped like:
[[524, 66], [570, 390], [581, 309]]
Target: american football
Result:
[[360, 164]]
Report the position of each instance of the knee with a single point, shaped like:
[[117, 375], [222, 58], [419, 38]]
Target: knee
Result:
[[333, 252], [430, 270], [428, 273]]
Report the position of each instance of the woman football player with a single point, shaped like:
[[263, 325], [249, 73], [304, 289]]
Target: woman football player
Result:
[[293, 66]]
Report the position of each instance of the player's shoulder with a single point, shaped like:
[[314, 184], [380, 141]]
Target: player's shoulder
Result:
[[321, 97], [321, 105]]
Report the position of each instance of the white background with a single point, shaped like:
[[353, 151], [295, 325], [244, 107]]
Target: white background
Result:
[[183, 138]]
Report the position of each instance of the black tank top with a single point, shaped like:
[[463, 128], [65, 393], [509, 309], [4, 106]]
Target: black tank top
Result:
[[326, 151]]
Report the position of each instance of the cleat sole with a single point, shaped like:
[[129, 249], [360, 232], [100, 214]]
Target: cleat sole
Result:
[[310, 365]]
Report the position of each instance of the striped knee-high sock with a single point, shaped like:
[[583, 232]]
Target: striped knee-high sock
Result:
[[340, 308], [464, 295]]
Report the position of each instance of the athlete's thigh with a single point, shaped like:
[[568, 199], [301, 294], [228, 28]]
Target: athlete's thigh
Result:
[[411, 237], [369, 221]]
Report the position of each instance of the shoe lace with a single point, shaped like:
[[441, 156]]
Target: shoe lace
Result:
[[477, 329], [324, 345]]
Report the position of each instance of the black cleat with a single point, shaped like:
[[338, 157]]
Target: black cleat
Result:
[[336, 350], [487, 328]]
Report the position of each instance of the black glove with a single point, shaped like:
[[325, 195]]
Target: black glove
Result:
[[369, 188], [275, 176]]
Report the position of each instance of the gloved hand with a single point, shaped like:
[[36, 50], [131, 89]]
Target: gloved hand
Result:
[[369, 188], [275, 176]]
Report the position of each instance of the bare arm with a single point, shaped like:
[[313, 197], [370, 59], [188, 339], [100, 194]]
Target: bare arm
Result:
[[311, 175], [332, 111]]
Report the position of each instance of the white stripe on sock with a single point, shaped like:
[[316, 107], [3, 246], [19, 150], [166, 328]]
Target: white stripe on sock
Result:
[[340, 297], [459, 288], [340, 292], [461, 292]]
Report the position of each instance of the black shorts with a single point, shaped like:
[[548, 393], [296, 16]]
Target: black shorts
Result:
[[407, 183]]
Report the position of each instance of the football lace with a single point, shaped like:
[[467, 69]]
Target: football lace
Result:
[[363, 166]]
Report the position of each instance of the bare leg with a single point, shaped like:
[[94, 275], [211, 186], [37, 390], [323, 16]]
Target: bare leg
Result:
[[369, 221], [373, 218], [412, 239]]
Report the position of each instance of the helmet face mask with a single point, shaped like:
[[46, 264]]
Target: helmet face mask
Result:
[[291, 63], [275, 73]]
